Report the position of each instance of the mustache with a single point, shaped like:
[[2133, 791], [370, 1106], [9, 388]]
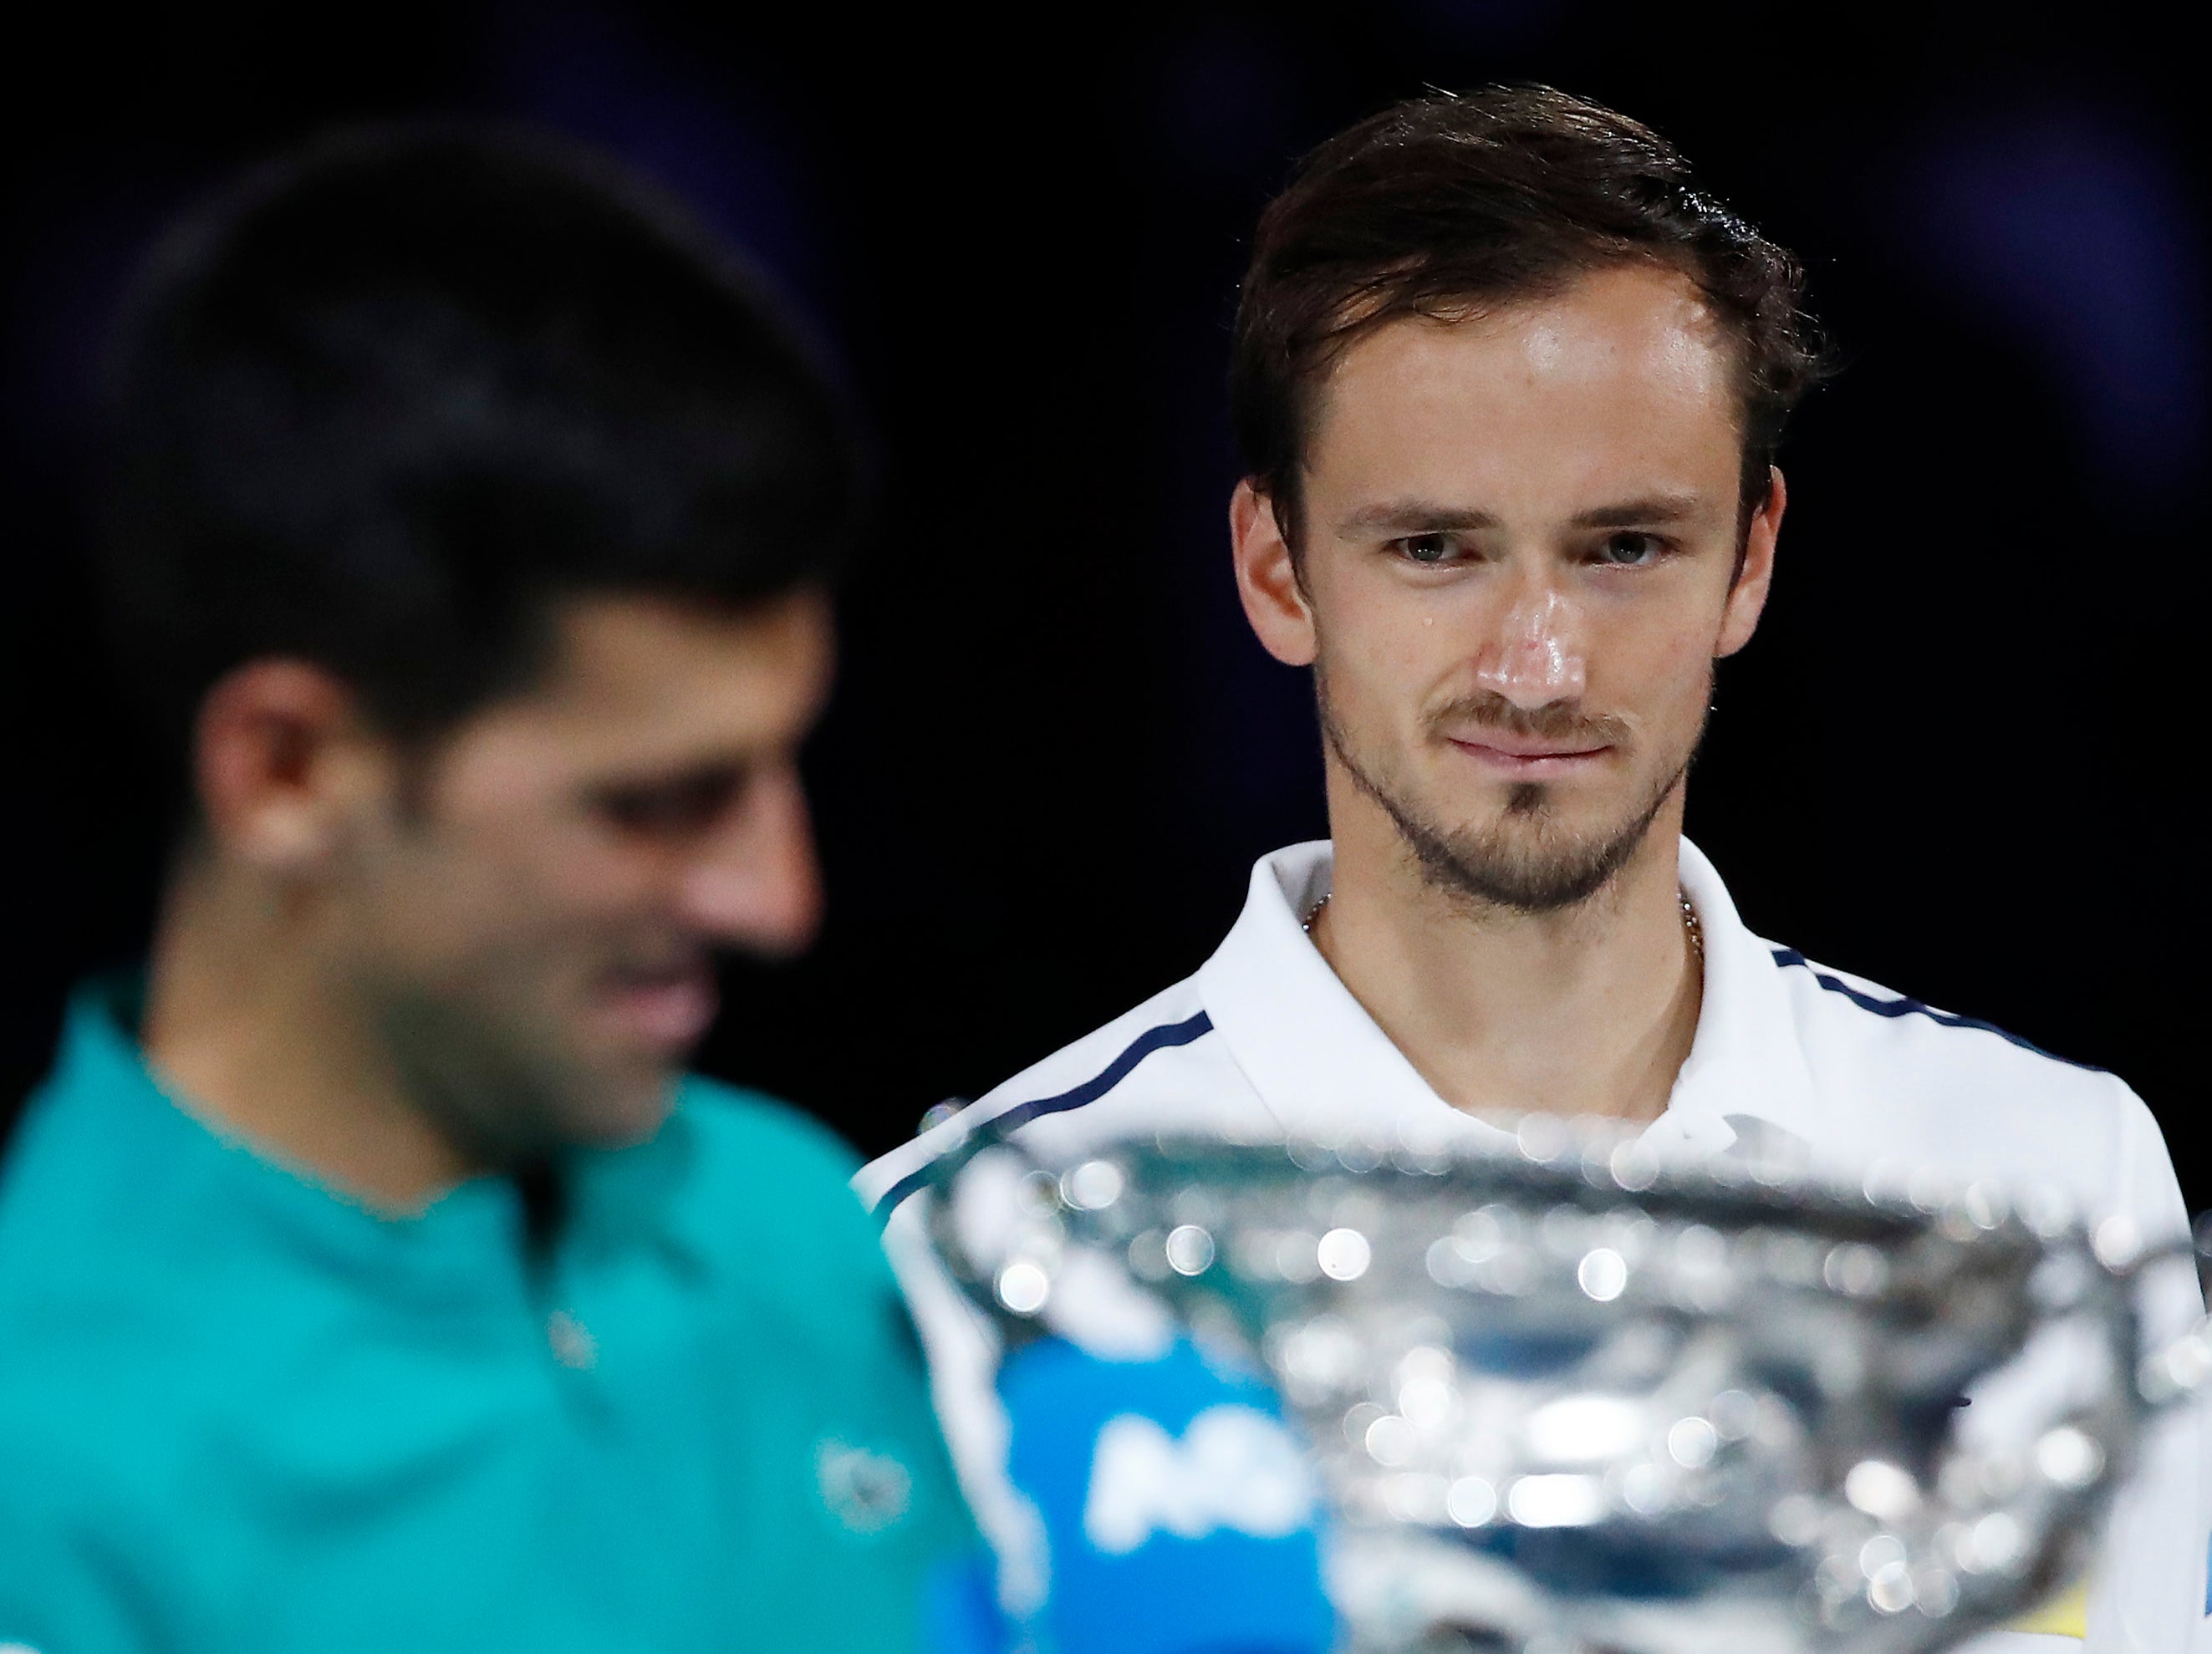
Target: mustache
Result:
[[671, 957], [1555, 720]]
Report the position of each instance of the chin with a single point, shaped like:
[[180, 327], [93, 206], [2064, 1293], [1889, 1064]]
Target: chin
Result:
[[621, 1112]]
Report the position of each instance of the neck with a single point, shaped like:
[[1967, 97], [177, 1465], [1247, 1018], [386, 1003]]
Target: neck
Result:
[[248, 1025], [1589, 1010]]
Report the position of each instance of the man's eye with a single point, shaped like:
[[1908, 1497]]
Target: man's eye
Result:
[[675, 809], [1627, 550], [1425, 548]]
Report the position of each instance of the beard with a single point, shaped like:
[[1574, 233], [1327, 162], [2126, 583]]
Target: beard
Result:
[[1529, 861], [493, 1061]]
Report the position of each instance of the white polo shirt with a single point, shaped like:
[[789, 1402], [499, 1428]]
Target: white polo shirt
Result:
[[1264, 1039]]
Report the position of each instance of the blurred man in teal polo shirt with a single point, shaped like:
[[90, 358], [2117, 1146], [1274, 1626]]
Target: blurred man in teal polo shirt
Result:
[[371, 1277]]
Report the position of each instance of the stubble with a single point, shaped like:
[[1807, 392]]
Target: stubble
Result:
[[1528, 861]]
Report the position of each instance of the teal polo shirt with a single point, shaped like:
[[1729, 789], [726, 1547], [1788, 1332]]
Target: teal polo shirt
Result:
[[240, 1412]]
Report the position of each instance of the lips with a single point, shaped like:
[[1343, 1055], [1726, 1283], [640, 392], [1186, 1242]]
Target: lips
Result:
[[668, 1008], [1528, 758]]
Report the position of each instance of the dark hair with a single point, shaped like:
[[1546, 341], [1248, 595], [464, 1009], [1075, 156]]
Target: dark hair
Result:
[[384, 400], [1446, 202]]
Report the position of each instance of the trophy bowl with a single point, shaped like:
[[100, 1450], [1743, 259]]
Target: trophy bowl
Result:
[[1560, 1396]]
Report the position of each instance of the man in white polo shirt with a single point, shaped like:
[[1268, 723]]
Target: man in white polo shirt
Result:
[[1509, 390]]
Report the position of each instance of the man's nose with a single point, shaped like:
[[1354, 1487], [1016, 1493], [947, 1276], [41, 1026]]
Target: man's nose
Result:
[[755, 883], [1534, 653]]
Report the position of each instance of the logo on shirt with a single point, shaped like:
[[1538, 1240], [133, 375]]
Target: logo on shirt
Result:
[[866, 1491], [1234, 1468]]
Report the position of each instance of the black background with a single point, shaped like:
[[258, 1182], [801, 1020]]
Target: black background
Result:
[[1955, 759]]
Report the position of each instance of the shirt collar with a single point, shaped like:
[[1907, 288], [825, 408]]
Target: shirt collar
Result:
[[1745, 1062], [1324, 1068], [105, 1124], [108, 1118], [1319, 1062]]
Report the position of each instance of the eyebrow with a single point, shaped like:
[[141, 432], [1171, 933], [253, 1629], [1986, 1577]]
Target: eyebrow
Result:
[[1413, 516], [1426, 517], [1658, 509]]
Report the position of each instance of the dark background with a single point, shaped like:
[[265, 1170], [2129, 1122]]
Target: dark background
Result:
[[1955, 760]]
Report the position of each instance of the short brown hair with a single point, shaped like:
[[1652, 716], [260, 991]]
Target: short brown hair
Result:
[[1443, 204]]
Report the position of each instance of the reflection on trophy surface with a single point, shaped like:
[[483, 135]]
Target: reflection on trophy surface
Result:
[[1566, 1398]]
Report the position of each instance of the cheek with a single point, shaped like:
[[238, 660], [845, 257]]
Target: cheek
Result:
[[1397, 648], [454, 912], [503, 901], [582, 872], [1659, 671], [519, 853]]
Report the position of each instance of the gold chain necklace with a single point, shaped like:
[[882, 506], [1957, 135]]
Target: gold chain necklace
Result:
[[1691, 928]]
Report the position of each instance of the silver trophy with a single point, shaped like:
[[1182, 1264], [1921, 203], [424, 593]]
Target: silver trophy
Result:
[[1561, 1396]]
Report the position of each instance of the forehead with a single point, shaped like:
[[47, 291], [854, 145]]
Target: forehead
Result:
[[1624, 368], [638, 682]]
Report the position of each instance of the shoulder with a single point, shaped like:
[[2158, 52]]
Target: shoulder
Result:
[[1843, 1014], [95, 1259], [105, 1390], [1158, 1063], [1947, 1088], [54, 1190], [1128, 1057]]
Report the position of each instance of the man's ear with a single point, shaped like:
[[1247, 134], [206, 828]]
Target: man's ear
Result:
[[1747, 599], [282, 762], [1268, 579]]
